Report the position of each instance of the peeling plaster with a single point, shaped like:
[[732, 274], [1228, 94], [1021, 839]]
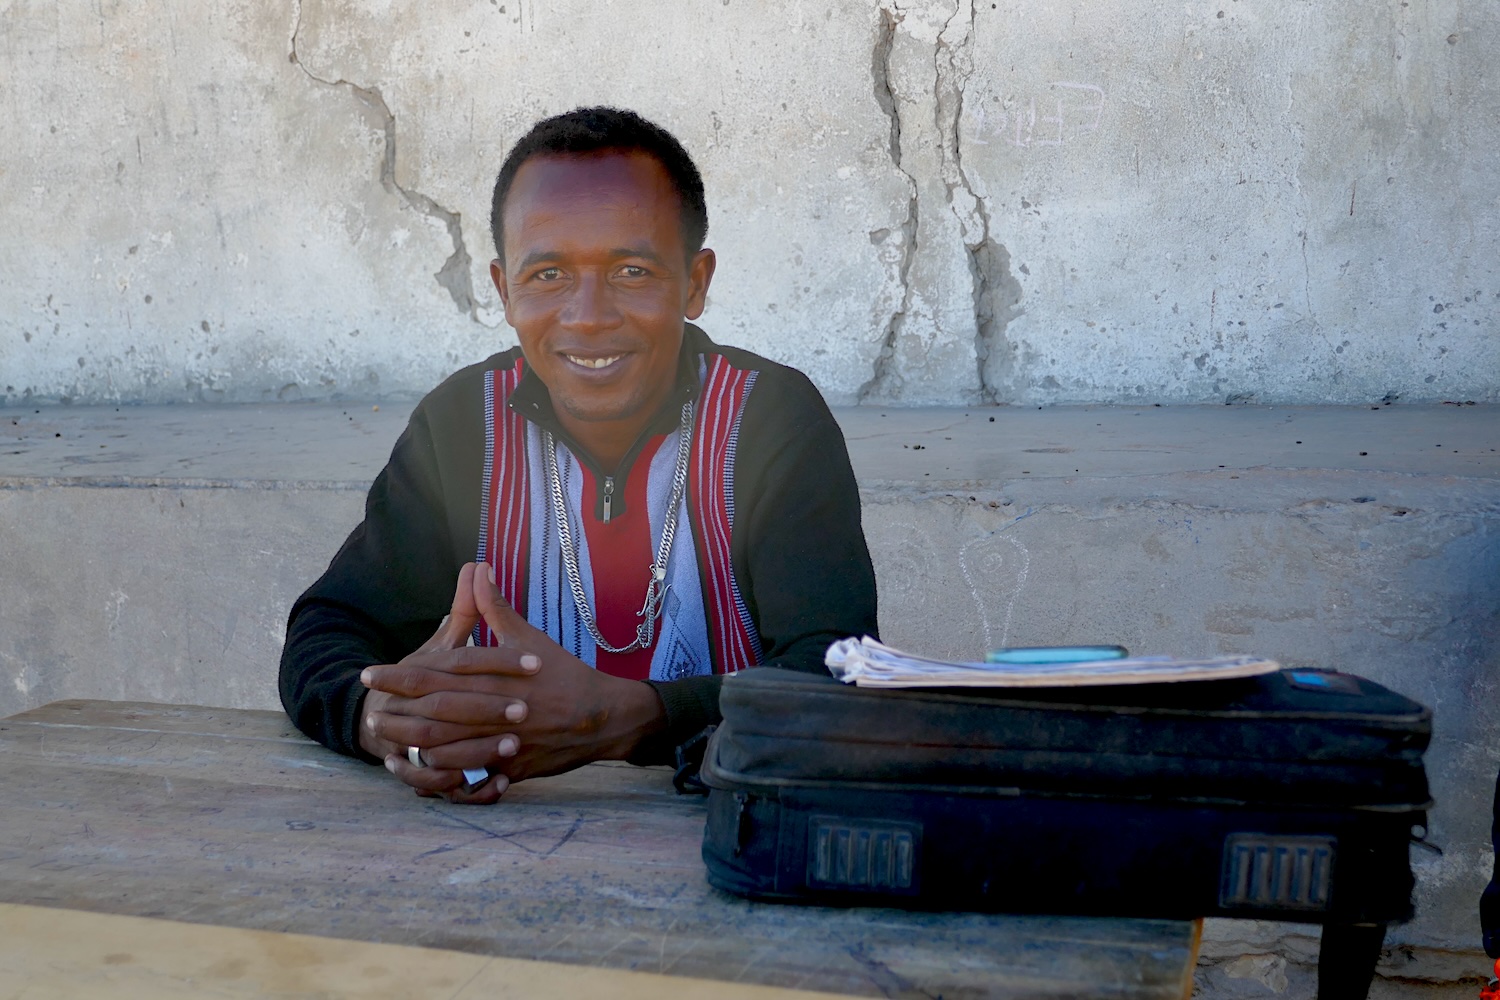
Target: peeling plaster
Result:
[[997, 292], [927, 347], [949, 249], [884, 374], [454, 276]]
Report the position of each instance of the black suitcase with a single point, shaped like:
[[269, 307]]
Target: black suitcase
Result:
[[1291, 796]]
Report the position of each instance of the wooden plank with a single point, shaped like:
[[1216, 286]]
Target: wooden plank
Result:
[[145, 715], [217, 816], [69, 955]]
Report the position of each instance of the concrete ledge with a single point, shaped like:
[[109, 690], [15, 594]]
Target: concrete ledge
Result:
[[151, 553]]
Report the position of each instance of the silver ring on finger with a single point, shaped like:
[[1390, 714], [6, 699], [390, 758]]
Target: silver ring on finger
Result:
[[414, 754]]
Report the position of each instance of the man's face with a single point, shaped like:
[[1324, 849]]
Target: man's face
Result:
[[597, 283]]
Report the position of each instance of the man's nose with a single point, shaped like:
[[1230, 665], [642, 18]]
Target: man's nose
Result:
[[591, 304]]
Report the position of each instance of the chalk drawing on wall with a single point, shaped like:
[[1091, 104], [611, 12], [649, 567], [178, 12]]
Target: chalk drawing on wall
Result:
[[909, 556], [1067, 112], [916, 569], [995, 567]]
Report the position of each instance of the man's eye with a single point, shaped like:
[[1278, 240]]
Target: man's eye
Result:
[[632, 271], [549, 274]]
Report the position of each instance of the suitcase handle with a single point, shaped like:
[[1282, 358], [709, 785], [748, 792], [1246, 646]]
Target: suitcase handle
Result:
[[689, 760]]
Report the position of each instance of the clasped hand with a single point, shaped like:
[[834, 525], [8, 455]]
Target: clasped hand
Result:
[[522, 709]]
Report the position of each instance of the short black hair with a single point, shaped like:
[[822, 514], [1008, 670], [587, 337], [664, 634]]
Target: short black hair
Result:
[[588, 131]]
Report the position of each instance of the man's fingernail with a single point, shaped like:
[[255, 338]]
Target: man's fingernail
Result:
[[530, 661], [365, 677], [390, 764], [490, 571], [370, 723], [502, 783], [515, 711], [508, 746]]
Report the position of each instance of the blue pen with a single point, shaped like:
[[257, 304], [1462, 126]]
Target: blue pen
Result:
[[1055, 654]]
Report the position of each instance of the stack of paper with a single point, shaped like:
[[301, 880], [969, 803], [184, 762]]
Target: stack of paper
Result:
[[870, 663]]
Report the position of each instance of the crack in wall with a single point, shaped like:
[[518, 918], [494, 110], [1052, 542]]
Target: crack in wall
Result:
[[455, 275], [997, 291], [997, 302], [880, 381]]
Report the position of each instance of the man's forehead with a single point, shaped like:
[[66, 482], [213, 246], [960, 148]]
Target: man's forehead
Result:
[[583, 189], [612, 173]]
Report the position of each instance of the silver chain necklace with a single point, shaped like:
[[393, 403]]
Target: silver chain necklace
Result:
[[656, 587]]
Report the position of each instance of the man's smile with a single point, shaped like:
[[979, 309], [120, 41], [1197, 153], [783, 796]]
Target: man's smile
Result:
[[597, 362]]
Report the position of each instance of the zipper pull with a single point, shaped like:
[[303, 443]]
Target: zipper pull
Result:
[[609, 492]]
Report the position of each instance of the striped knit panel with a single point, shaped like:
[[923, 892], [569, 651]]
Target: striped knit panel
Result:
[[711, 507], [504, 505]]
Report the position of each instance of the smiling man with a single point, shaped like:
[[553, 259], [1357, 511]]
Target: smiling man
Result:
[[575, 539]]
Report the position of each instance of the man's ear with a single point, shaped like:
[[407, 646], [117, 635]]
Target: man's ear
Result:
[[497, 275], [700, 276]]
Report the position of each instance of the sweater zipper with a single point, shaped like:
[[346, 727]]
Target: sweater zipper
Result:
[[609, 492]]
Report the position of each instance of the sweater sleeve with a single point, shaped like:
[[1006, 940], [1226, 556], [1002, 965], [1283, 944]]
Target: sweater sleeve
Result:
[[800, 554], [382, 596]]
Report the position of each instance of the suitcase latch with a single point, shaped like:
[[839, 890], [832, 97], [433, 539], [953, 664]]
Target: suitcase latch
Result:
[[859, 854], [1267, 872]]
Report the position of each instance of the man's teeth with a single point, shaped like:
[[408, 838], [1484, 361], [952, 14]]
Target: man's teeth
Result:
[[594, 362]]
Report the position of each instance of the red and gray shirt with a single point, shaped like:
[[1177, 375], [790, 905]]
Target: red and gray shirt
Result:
[[614, 522]]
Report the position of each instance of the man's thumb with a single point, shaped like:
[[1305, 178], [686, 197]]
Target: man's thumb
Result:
[[462, 616], [491, 604]]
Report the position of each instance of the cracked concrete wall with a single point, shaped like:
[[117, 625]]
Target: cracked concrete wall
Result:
[[1241, 200], [248, 202], [189, 219], [916, 201]]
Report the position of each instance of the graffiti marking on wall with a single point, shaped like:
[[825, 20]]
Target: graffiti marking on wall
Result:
[[1066, 113]]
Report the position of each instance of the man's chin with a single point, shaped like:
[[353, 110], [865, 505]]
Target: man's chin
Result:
[[600, 412]]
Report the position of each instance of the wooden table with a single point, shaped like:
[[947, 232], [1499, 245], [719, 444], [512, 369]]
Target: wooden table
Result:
[[231, 818]]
